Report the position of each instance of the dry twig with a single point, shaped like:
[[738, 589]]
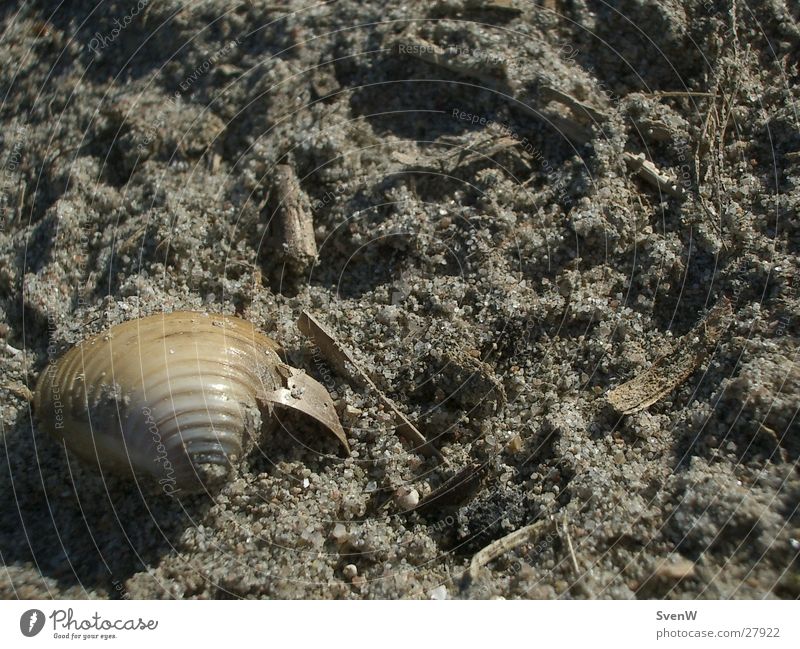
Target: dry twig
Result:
[[344, 363]]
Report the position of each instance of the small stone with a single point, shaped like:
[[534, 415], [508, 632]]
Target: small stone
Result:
[[339, 533], [407, 498], [350, 415], [677, 569], [349, 571], [440, 592]]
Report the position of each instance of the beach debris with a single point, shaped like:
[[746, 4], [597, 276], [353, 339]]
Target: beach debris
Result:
[[345, 365], [19, 390], [666, 573], [499, 547], [458, 153], [455, 7], [180, 397], [671, 370], [580, 109], [493, 5], [648, 172], [577, 127], [294, 223]]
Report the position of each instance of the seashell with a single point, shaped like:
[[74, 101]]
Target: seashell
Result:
[[179, 396]]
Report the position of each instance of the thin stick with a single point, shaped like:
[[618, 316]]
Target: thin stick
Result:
[[678, 93], [552, 94], [342, 360], [569, 545]]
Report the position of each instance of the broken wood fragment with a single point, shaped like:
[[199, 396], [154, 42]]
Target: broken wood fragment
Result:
[[669, 371], [344, 363], [294, 224], [648, 172]]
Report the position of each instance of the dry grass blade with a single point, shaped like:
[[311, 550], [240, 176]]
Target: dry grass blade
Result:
[[346, 365], [568, 536], [669, 371], [501, 546]]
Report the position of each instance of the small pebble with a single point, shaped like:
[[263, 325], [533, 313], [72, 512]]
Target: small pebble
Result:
[[407, 498], [440, 592], [349, 571], [339, 533]]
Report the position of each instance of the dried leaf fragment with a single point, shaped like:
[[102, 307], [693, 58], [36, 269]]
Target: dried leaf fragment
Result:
[[669, 371]]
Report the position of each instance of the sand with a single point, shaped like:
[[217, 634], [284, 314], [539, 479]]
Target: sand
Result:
[[496, 276]]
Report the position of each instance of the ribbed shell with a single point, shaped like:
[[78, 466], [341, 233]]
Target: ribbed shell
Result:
[[171, 395]]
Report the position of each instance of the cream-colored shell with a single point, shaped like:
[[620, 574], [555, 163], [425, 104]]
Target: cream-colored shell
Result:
[[177, 396]]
